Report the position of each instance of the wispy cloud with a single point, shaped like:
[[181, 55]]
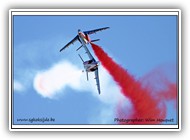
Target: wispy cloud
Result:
[[18, 86]]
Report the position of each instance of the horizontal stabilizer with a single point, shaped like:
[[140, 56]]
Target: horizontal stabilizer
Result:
[[79, 48], [95, 40]]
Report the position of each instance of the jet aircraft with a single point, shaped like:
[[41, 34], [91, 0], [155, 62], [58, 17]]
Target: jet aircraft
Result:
[[90, 65]]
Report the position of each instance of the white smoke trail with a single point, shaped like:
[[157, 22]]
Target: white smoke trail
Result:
[[54, 81], [50, 82]]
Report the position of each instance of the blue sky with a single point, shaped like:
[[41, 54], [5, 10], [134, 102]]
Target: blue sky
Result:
[[139, 43]]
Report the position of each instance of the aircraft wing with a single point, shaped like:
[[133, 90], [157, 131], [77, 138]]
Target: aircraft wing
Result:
[[97, 80], [96, 30], [71, 42]]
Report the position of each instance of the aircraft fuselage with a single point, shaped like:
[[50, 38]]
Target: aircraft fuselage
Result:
[[90, 65], [84, 39]]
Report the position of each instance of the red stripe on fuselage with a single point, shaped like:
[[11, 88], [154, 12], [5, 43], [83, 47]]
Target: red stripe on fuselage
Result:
[[88, 38], [84, 36]]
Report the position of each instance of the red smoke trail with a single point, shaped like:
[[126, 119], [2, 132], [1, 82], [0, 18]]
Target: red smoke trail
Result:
[[144, 104]]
